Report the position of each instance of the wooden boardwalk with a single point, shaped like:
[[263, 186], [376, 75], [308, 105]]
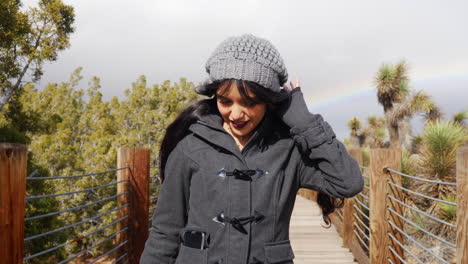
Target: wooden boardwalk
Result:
[[312, 243]]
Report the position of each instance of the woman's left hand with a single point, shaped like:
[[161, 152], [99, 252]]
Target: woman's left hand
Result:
[[292, 85], [293, 111]]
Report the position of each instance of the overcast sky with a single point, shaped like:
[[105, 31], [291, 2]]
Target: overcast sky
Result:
[[334, 47]]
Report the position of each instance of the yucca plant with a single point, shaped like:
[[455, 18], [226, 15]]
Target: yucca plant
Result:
[[448, 212], [440, 141], [408, 162]]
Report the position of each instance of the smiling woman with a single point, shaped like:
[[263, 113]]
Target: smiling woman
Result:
[[234, 163], [241, 114]]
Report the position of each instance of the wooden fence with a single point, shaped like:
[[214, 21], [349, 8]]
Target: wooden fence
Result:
[[371, 223]]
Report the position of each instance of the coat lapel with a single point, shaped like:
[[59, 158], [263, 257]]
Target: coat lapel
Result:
[[210, 128]]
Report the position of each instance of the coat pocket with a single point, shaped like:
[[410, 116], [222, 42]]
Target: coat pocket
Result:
[[279, 252], [192, 255]]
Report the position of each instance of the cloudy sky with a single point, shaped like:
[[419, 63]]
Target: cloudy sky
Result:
[[334, 47]]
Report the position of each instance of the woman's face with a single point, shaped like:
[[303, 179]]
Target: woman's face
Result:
[[240, 116]]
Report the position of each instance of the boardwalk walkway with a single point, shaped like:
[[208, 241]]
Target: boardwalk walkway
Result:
[[313, 244]]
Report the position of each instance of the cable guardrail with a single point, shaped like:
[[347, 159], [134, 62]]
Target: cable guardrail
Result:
[[361, 204], [422, 179], [405, 191], [395, 254], [75, 224], [421, 212], [420, 194], [362, 232], [360, 239], [93, 247], [361, 222], [103, 215], [109, 252], [417, 243], [73, 241], [421, 229], [75, 176], [120, 258], [74, 208], [75, 192], [361, 212]]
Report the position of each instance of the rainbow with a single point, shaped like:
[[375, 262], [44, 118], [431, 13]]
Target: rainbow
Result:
[[454, 72]]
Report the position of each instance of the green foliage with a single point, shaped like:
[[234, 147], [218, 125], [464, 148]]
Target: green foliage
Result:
[[78, 132], [441, 140], [407, 166], [28, 39], [448, 212], [419, 220]]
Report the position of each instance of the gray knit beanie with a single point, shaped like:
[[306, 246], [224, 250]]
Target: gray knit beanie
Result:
[[248, 58]]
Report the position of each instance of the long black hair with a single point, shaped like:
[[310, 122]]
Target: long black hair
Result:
[[178, 129]]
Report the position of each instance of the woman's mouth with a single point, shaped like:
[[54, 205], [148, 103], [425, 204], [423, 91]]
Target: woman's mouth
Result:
[[239, 125]]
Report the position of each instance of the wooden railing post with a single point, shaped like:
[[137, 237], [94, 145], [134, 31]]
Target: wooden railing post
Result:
[[138, 173], [378, 190], [462, 205], [348, 207], [13, 166]]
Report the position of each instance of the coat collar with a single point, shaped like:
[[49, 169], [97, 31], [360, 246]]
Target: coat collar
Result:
[[210, 128]]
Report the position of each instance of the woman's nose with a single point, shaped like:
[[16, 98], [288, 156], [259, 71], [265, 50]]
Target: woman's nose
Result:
[[237, 113]]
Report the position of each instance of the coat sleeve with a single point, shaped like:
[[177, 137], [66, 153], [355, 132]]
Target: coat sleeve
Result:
[[326, 165], [170, 215]]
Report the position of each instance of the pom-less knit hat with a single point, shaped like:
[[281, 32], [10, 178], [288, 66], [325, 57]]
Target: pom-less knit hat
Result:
[[248, 58]]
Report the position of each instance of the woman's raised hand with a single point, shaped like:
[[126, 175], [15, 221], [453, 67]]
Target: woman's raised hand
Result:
[[292, 85]]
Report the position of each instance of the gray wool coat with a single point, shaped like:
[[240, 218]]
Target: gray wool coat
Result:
[[243, 200]]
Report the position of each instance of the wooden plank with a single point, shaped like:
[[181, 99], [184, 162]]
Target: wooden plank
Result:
[[13, 165], [379, 160], [138, 161], [462, 205], [311, 242]]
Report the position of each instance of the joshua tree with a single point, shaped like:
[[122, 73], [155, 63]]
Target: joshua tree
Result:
[[375, 131], [393, 93], [354, 125], [460, 117]]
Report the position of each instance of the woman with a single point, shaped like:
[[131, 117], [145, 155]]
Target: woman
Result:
[[232, 164]]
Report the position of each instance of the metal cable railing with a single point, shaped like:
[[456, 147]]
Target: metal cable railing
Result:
[[361, 212], [120, 258], [92, 247], [420, 194], [400, 216], [75, 176], [395, 254], [361, 231], [74, 208], [425, 231], [422, 212], [361, 203], [76, 224], [73, 241], [75, 192], [109, 252], [404, 248], [361, 222], [70, 226], [360, 240], [422, 179], [416, 242]]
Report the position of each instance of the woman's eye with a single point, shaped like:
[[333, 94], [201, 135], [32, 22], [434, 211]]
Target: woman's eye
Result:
[[250, 104], [224, 102]]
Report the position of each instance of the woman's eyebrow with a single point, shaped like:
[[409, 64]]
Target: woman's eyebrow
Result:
[[223, 97]]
